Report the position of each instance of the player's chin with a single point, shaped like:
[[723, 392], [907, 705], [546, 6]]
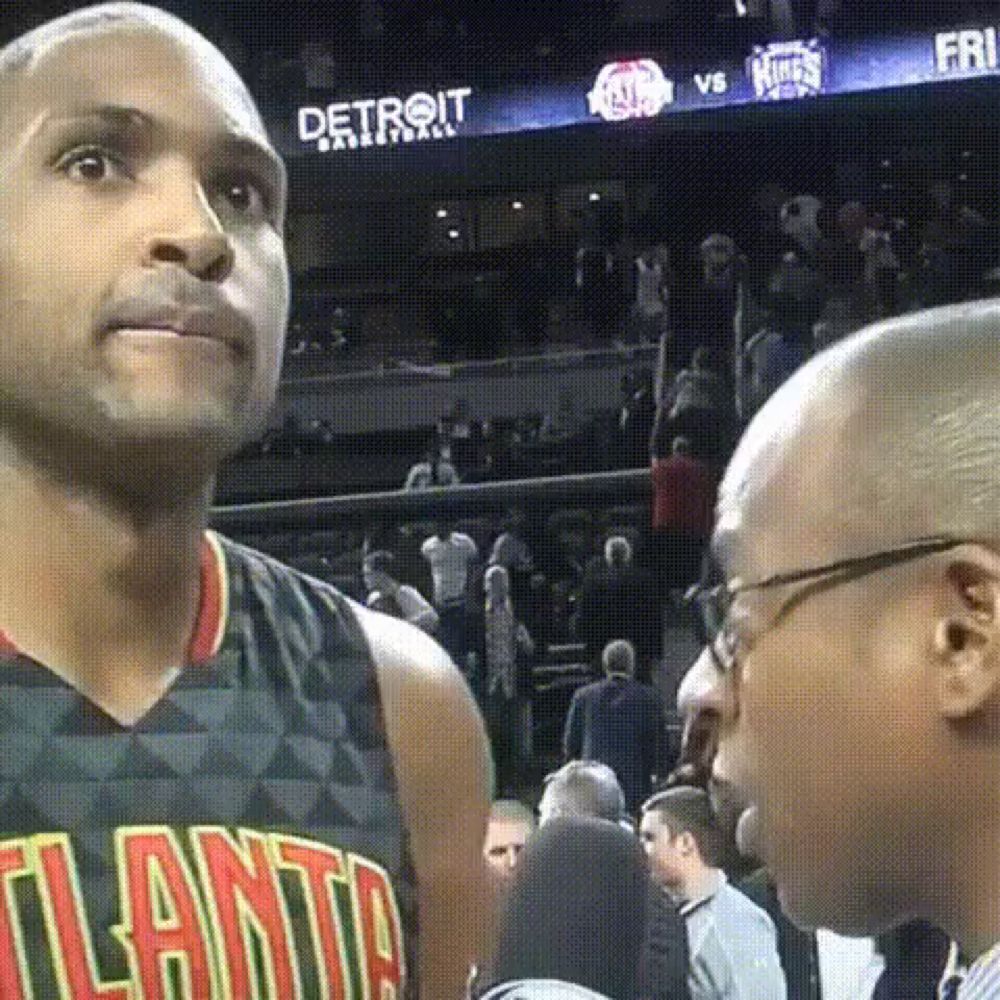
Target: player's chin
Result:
[[208, 428]]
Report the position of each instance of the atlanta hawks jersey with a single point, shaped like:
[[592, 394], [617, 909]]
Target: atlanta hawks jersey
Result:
[[243, 840]]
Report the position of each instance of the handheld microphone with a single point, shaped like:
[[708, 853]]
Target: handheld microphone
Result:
[[574, 921]]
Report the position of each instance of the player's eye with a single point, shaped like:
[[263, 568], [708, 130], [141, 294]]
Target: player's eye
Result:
[[92, 165], [247, 196]]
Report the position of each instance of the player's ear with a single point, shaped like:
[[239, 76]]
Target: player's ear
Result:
[[967, 640]]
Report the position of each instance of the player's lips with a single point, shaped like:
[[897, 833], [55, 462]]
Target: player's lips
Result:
[[139, 317]]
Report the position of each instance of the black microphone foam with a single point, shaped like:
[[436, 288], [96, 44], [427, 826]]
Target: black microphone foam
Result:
[[576, 910]]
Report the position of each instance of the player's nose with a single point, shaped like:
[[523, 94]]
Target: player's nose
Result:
[[190, 233], [207, 255]]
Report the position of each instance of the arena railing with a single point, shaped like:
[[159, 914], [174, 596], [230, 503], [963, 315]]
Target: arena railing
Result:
[[405, 371], [532, 495]]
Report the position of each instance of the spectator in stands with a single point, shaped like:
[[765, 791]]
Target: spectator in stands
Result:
[[511, 824], [684, 491], [388, 595], [461, 438], [698, 406], [581, 788], [511, 551], [450, 555], [564, 422], [635, 418], [431, 471], [508, 648], [732, 941], [614, 604], [706, 312], [619, 722], [650, 315]]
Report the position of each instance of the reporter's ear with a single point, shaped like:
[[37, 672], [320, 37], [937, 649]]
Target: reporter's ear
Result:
[[967, 643]]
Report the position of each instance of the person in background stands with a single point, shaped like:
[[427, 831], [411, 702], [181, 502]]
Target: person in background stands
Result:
[[388, 595], [450, 555], [684, 489], [619, 722], [507, 684], [431, 471], [732, 941]]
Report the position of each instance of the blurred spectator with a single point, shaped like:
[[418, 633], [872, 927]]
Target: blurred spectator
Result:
[[635, 418], [619, 722], [800, 223], [882, 268], [732, 941], [772, 354], [507, 684], [843, 314], [462, 437], [698, 406], [511, 551], [388, 595], [511, 823], [765, 243], [431, 471], [684, 493], [529, 286], [950, 222], [581, 788], [614, 603], [705, 308], [650, 316], [449, 554], [564, 422]]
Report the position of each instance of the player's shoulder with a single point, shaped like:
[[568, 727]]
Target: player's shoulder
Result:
[[403, 650], [280, 598]]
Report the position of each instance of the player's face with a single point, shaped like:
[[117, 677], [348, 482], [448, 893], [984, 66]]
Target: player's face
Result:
[[826, 730], [505, 839], [143, 280]]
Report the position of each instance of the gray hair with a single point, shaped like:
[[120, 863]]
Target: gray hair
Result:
[[585, 788], [619, 657]]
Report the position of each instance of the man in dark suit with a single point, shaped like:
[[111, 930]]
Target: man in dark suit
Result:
[[620, 722]]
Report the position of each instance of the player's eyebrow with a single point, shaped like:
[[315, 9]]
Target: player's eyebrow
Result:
[[233, 145]]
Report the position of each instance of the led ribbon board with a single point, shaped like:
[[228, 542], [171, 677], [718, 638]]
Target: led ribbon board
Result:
[[642, 88]]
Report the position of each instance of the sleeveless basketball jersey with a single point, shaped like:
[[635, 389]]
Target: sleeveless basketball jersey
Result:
[[243, 840]]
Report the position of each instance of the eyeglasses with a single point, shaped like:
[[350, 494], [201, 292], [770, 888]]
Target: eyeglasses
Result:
[[727, 647]]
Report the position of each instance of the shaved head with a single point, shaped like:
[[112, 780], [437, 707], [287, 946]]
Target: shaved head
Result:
[[18, 57], [891, 434]]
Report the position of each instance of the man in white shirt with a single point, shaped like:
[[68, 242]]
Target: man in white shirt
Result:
[[450, 554], [732, 941]]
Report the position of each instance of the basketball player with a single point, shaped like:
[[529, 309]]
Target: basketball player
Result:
[[218, 778], [856, 675]]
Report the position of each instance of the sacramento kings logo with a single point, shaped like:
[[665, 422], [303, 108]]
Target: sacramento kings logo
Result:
[[788, 70], [634, 88]]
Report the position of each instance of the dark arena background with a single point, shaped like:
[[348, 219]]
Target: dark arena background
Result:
[[512, 226]]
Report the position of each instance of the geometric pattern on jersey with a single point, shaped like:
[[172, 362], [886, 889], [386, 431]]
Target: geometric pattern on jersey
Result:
[[274, 726]]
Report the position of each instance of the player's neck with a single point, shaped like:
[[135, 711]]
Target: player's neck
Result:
[[87, 586]]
